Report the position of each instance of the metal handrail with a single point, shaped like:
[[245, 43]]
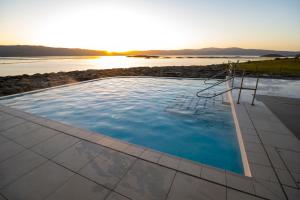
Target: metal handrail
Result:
[[218, 83], [214, 76], [220, 93]]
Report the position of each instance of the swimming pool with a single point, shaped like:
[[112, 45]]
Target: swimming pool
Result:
[[159, 113]]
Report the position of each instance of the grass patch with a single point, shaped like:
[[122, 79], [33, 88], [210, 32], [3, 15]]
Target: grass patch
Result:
[[282, 66]]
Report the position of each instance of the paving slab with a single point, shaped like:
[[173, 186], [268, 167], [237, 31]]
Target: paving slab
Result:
[[18, 165], [285, 177], [116, 196], [9, 123], [109, 170], [9, 149], [188, 187], [292, 193], [20, 130], [190, 168], [78, 155], [241, 183], [38, 184], [146, 181], [54, 145], [151, 156], [237, 195], [79, 188], [3, 139], [286, 109], [169, 161], [291, 159], [269, 190], [214, 175], [263, 172], [36, 137]]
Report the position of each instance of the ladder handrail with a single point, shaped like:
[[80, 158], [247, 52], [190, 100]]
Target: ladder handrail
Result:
[[218, 94], [218, 83], [214, 76]]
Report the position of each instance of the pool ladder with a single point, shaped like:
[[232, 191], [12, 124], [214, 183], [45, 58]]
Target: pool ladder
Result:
[[231, 76]]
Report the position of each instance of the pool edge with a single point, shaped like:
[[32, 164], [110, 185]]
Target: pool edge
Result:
[[247, 171]]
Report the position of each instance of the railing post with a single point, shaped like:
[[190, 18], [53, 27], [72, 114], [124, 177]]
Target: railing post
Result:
[[241, 86], [254, 92]]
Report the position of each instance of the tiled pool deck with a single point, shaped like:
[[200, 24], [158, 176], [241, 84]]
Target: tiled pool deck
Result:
[[44, 159]]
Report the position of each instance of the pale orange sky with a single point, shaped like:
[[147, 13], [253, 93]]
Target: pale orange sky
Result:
[[117, 25]]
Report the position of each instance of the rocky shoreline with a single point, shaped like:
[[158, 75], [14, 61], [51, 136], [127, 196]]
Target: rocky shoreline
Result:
[[16, 84]]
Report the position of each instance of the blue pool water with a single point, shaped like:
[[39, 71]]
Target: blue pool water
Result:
[[159, 113]]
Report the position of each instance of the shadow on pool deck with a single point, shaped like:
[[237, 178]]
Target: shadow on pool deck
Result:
[[286, 109]]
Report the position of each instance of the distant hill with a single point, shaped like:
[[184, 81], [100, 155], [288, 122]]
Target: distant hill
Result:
[[215, 51], [26, 50], [273, 55]]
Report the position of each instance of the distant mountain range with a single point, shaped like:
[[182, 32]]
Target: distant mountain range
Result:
[[27, 50]]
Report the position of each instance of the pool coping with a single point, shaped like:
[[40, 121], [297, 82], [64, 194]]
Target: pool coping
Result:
[[247, 171]]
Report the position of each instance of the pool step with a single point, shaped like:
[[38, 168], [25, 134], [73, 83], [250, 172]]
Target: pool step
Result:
[[192, 105]]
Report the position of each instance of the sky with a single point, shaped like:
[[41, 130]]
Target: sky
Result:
[[122, 25]]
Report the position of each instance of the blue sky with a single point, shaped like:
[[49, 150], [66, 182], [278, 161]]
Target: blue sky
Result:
[[119, 25]]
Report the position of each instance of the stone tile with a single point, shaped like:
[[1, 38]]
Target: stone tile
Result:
[[251, 138], [188, 187], [9, 123], [267, 125], [268, 190], [118, 145], [249, 131], [55, 145], [151, 156], [291, 159], [3, 139], [21, 130], [296, 177], [285, 178], [146, 180], [236, 195], [4, 116], [275, 158], [280, 141], [93, 137], [78, 155], [169, 161], [292, 193], [108, 170], [105, 141], [263, 172], [214, 175], [190, 168], [39, 183], [134, 150], [9, 149], [241, 183], [116, 196], [258, 158], [36, 137], [18, 165], [78, 188], [254, 147]]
